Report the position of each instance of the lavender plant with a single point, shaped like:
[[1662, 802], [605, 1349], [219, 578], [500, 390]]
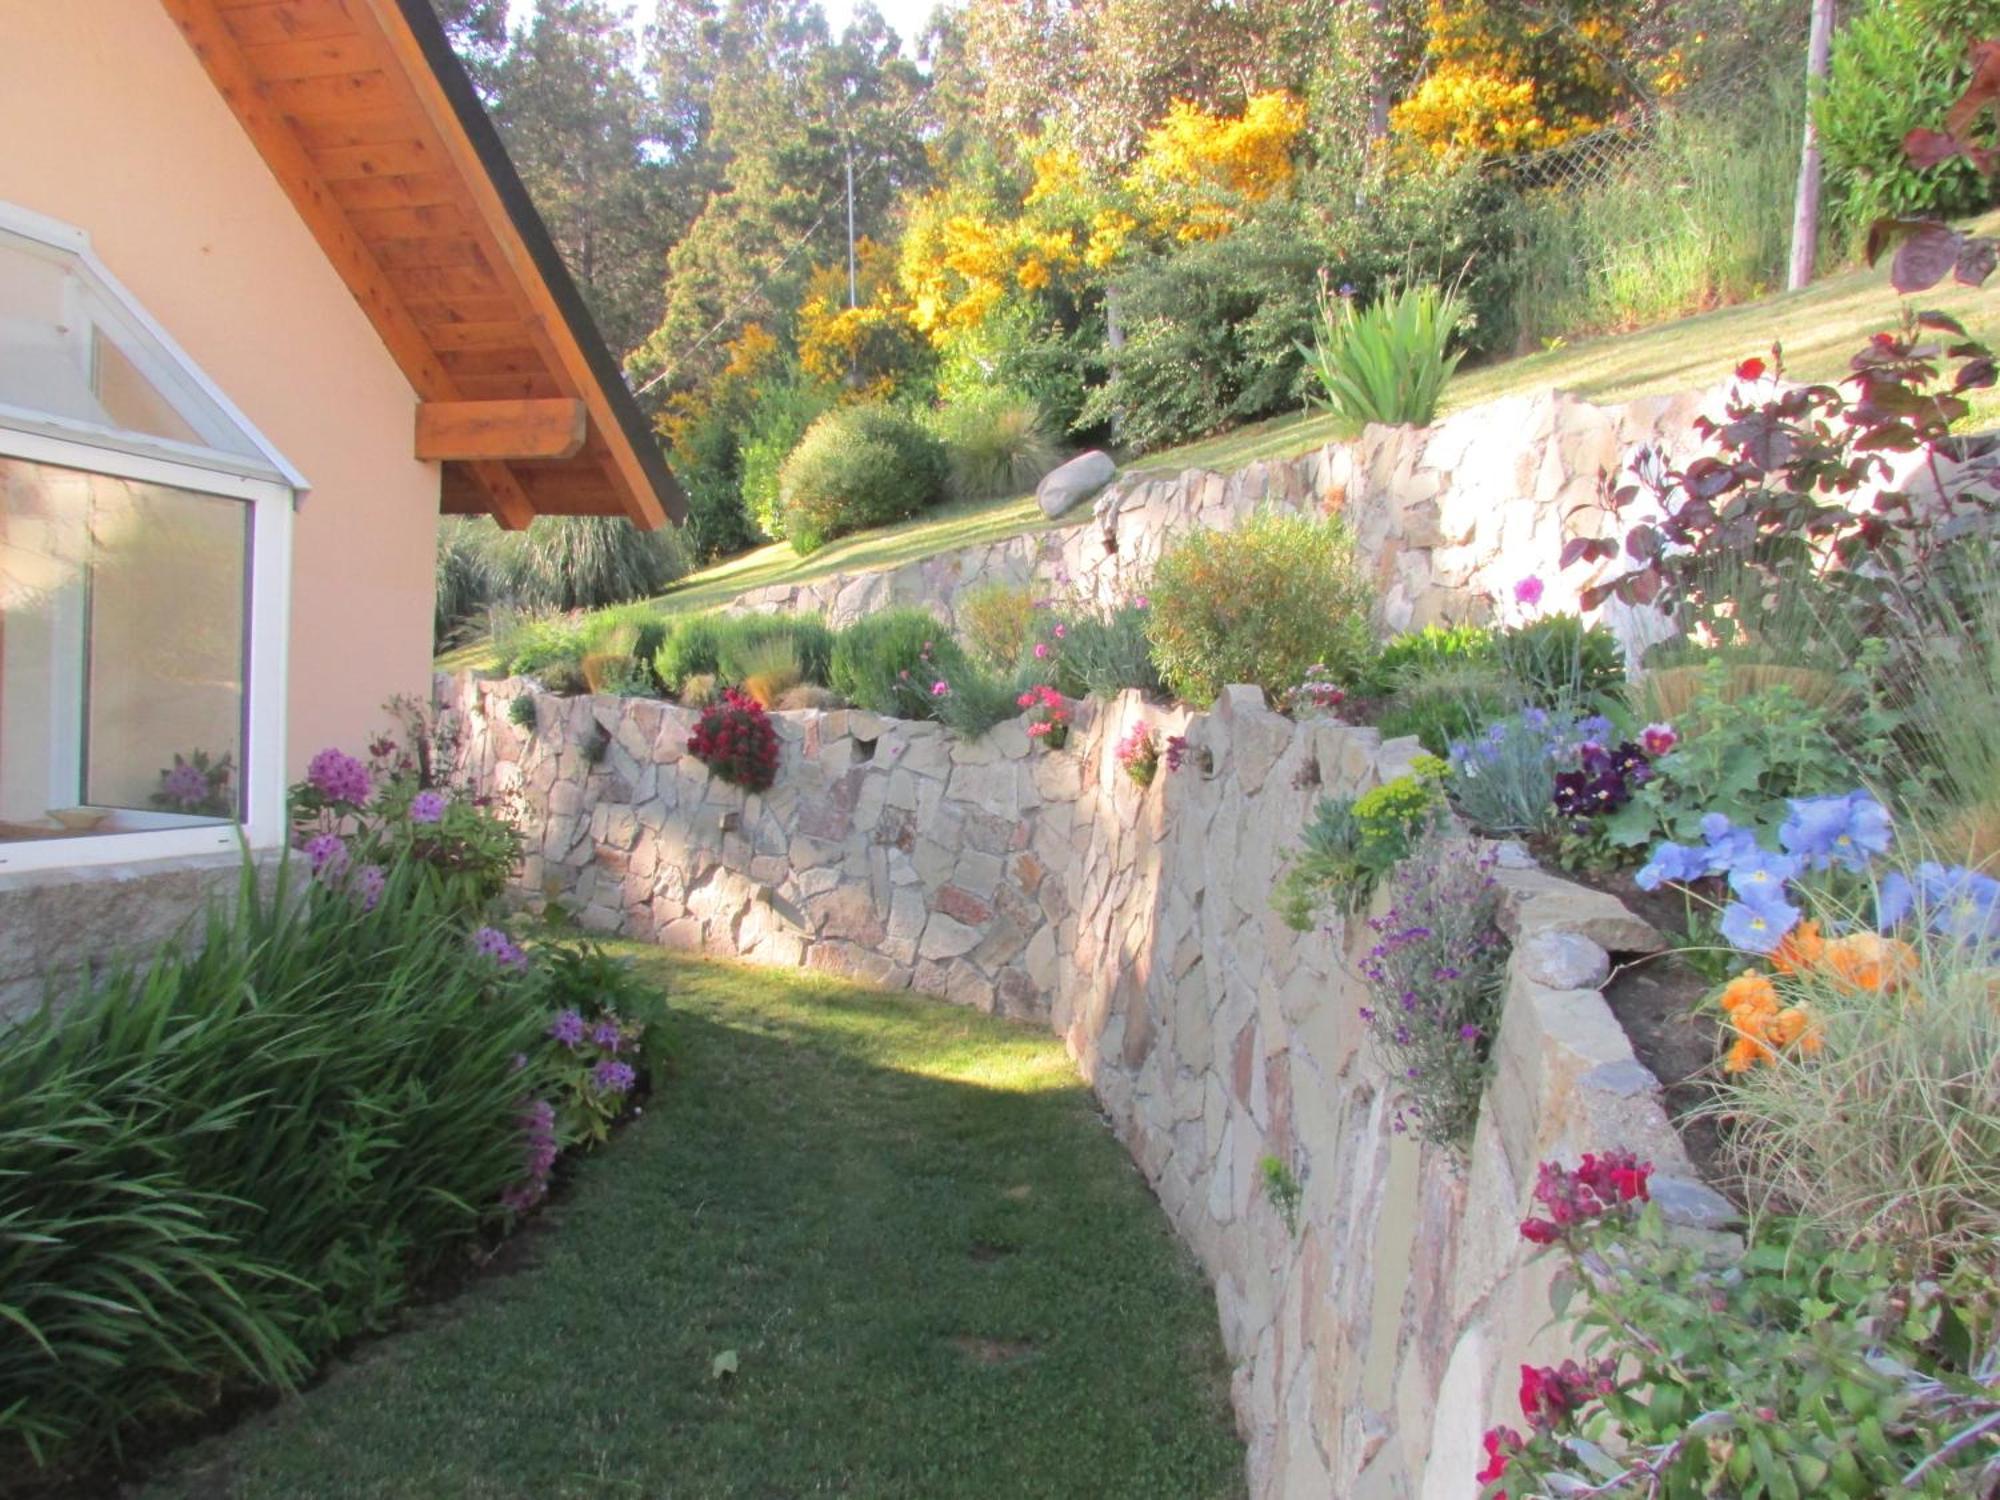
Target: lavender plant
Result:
[[1504, 778], [1435, 974]]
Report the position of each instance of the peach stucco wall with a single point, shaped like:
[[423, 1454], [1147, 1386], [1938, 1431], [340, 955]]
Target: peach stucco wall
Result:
[[108, 122]]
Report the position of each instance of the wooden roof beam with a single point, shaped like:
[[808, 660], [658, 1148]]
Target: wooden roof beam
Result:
[[500, 429]]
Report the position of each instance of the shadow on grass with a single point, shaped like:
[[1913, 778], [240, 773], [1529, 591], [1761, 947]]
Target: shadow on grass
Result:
[[939, 1273]]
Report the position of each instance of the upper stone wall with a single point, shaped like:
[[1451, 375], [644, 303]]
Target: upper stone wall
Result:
[[1374, 1344], [1450, 516]]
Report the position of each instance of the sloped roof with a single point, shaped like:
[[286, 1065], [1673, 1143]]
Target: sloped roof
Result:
[[370, 125]]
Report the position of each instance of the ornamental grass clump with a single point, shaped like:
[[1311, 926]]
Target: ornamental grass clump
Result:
[[735, 740], [1260, 604], [1387, 362], [1504, 778], [1434, 974]]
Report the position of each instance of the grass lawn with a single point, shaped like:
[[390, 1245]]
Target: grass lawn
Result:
[[1819, 328], [940, 1273]]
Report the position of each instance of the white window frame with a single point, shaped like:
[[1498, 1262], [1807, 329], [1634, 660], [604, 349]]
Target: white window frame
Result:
[[271, 490]]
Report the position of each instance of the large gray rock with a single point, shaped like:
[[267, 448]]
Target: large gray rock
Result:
[[1076, 481]]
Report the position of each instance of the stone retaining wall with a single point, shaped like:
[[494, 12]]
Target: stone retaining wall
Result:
[[1373, 1345], [1451, 516]]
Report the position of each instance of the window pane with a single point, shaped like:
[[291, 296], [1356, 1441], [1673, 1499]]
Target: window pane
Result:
[[122, 608]]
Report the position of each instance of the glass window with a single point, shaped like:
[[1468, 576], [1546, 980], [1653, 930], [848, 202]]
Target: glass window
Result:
[[123, 608]]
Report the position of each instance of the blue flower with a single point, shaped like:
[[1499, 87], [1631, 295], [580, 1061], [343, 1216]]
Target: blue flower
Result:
[[1672, 862], [1960, 903], [1596, 727], [1762, 874], [1849, 830], [1728, 845], [1893, 900], [1759, 925]]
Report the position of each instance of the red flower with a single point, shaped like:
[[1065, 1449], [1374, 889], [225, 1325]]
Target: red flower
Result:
[[1501, 1444], [1750, 369]]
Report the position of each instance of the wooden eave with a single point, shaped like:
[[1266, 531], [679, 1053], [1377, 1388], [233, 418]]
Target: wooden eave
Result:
[[369, 124]]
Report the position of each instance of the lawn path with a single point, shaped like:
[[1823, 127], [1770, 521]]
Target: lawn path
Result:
[[941, 1275]]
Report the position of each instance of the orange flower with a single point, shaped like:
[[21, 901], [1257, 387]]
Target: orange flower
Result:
[[1801, 948], [1749, 994], [1794, 1024], [1868, 962], [1746, 1054]]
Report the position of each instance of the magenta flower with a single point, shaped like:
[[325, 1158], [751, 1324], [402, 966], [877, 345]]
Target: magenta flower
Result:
[[940, 689], [339, 777], [1041, 650], [427, 807], [1061, 631], [1528, 592]]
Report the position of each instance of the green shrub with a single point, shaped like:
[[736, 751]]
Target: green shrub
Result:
[[783, 413], [1211, 333], [996, 443], [857, 467], [889, 663], [1897, 65], [976, 700], [521, 712], [706, 457], [1557, 661], [1350, 843], [584, 562], [1447, 701], [996, 622], [729, 647], [217, 1166], [1388, 361], [1100, 653], [525, 644], [1418, 651], [1259, 604]]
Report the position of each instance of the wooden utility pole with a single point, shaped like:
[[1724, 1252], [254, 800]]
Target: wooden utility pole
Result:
[[1805, 208]]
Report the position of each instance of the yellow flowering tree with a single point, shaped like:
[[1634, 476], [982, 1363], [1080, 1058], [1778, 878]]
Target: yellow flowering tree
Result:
[[872, 347], [1197, 170]]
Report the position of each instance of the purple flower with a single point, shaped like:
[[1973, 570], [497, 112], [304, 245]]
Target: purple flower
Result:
[[567, 1028], [184, 784], [496, 945], [1848, 831], [339, 777], [1469, 1032], [613, 1077], [1367, 1014], [1658, 739], [1671, 862], [1528, 592], [327, 854], [367, 885], [606, 1034], [1757, 926], [427, 807]]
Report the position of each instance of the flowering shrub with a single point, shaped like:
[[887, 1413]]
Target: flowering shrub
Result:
[[1795, 1367], [1179, 753], [1434, 975], [198, 785], [353, 819], [1139, 753], [1092, 652], [735, 740], [598, 1041], [1313, 694], [1352, 842], [1048, 716]]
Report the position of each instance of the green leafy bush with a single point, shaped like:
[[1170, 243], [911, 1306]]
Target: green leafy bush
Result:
[[1352, 842], [1259, 604], [783, 413], [730, 648], [857, 467], [585, 562], [891, 662], [996, 443], [1448, 701], [216, 1166], [1416, 651], [996, 621], [1098, 653], [1897, 65], [1558, 662], [1387, 362], [526, 644]]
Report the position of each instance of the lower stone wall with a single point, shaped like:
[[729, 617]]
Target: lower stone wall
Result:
[[1373, 1345], [55, 924]]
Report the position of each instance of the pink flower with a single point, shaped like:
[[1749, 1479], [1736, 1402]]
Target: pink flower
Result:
[[1061, 631], [1140, 601], [940, 689], [1041, 650], [1658, 739], [1528, 592]]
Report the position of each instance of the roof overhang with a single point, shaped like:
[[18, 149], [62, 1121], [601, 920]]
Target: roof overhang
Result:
[[370, 125]]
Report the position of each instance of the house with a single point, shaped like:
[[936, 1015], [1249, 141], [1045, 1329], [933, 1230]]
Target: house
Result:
[[271, 298]]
